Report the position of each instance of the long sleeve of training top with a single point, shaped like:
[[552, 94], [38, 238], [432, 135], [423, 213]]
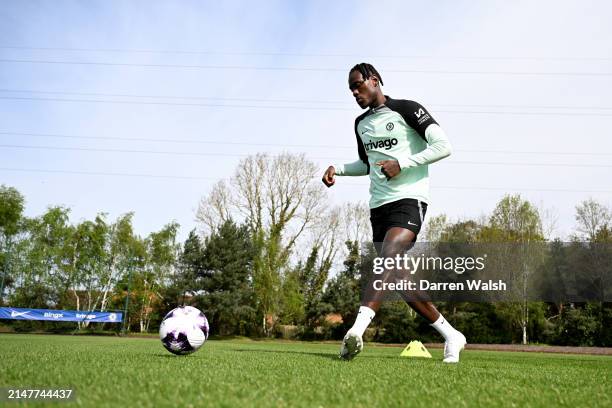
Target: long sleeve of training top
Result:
[[356, 168], [438, 147]]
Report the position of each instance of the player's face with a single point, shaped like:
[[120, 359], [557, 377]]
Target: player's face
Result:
[[364, 91]]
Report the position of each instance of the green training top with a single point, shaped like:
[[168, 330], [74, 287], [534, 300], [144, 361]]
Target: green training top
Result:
[[398, 130]]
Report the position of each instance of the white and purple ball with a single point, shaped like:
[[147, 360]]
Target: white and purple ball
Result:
[[183, 330]]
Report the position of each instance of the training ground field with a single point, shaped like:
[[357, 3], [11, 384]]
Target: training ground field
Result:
[[111, 372]]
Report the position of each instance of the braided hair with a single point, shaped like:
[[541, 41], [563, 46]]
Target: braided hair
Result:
[[367, 70]]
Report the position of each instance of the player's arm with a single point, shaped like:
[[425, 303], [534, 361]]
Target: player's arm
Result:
[[438, 147], [359, 167], [418, 118], [356, 168]]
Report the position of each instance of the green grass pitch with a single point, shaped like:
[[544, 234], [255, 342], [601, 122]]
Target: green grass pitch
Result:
[[111, 372]]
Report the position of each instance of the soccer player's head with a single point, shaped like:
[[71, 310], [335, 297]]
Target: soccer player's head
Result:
[[364, 83]]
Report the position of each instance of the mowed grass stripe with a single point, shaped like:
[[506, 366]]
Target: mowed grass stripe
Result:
[[110, 372]]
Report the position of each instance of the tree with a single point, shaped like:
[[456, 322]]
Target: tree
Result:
[[97, 254], [435, 227], [292, 304], [184, 282], [127, 293], [11, 213], [118, 254], [515, 220], [310, 278], [225, 284], [87, 271], [313, 272], [518, 219], [45, 261], [591, 217], [397, 323], [463, 232], [11, 210], [279, 198], [190, 266], [160, 251], [342, 294], [355, 223]]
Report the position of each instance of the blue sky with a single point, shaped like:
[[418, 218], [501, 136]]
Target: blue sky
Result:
[[538, 81]]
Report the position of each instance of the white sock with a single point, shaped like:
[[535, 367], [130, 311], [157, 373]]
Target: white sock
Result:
[[363, 320], [444, 328]]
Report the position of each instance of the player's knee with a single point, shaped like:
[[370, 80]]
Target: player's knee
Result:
[[396, 247]]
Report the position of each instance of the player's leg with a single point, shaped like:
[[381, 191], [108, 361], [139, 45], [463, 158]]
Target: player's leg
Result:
[[352, 343], [388, 241], [454, 341], [387, 244], [391, 239]]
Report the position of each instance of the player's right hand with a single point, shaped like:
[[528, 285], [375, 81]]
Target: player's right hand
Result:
[[328, 177]]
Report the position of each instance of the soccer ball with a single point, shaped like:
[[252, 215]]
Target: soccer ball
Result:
[[183, 330]]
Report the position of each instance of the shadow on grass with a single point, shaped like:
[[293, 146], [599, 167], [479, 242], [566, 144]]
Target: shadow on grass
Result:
[[329, 356], [170, 355]]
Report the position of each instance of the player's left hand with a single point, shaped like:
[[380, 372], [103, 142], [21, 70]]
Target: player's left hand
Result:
[[389, 168]]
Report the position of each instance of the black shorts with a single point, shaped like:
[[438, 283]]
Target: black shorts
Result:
[[406, 213]]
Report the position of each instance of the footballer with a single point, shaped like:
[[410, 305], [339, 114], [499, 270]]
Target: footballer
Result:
[[396, 140]]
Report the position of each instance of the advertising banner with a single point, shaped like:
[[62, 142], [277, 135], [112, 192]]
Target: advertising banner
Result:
[[59, 315]]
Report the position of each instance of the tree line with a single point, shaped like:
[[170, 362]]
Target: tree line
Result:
[[272, 257]]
